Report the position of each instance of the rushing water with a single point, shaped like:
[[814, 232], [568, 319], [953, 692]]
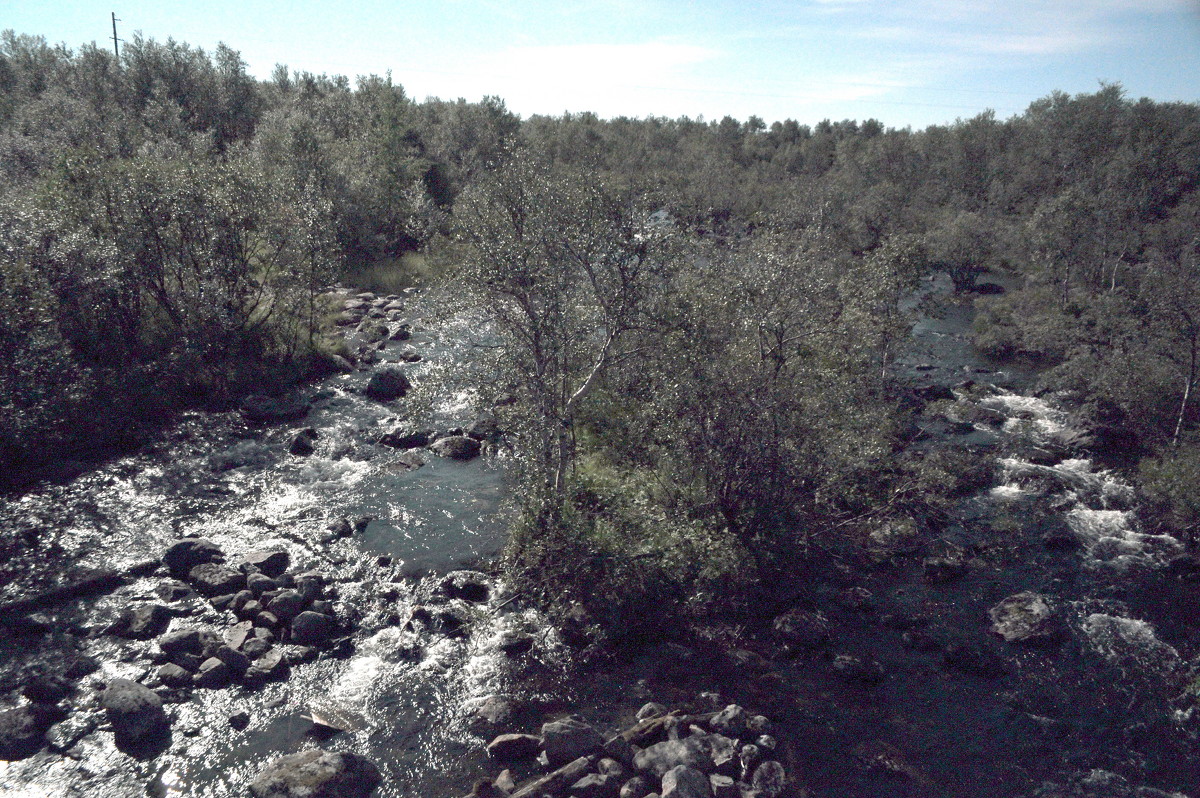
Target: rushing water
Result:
[[402, 694]]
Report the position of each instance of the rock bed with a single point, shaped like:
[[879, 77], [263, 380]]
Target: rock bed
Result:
[[667, 754]]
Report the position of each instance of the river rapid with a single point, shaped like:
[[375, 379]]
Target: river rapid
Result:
[[910, 693]]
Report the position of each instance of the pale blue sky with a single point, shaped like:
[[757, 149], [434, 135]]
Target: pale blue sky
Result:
[[904, 62]]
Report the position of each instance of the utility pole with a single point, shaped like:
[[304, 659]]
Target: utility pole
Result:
[[116, 51]]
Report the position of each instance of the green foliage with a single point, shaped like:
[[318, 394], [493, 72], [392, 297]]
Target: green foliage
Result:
[[1171, 484]]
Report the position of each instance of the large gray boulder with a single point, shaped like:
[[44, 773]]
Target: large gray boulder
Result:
[[1025, 618], [312, 628], [456, 447], [769, 779], [316, 773], [141, 622], [568, 739], [185, 555], [271, 562], [387, 384], [408, 436], [685, 782], [657, 759], [134, 710], [213, 579]]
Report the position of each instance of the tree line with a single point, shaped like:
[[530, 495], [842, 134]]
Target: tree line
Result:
[[700, 316]]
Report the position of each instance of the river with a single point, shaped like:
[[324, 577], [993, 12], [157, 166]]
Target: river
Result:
[[913, 696]]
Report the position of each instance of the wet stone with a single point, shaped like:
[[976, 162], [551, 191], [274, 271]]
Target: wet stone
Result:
[[595, 785], [661, 757], [567, 739], [466, 585], [184, 641], [237, 661], [181, 557], [287, 604], [173, 675], [408, 436], [213, 579], [1025, 618], [239, 720], [456, 447], [303, 442], [47, 688], [255, 647], [260, 409], [240, 600], [269, 665], [509, 747], [317, 774], [685, 782], [723, 786], [258, 584], [637, 787], [141, 622], [222, 603], [651, 710], [492, 711], [271, 562], [769, 779], [731, 720], [312, 628], [134, 710], [387, 385], [174, 590], [213, 674]]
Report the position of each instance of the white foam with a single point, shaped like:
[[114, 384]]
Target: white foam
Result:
[[1129, 643], [1109, 538]]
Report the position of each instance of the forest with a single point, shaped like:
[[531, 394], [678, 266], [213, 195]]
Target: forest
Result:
[[700, 317]]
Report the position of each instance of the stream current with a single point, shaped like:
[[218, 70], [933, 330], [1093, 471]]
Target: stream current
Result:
[[948, 709]]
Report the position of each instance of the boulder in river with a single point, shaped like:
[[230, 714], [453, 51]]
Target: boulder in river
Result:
[[456, 447], [567, 739], [316, 773], [303, 442], [213, 579], [185, 555], [312, 628], [141, 622], [408, 436], [134, 710], [685, 782], [1025, 617], [387, 384], [661, 757], [509, 747], [466, 585]]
